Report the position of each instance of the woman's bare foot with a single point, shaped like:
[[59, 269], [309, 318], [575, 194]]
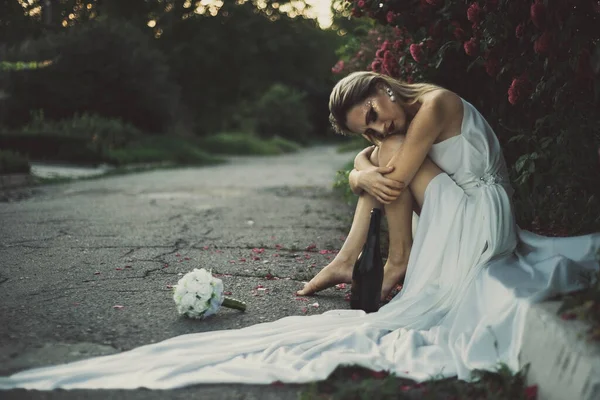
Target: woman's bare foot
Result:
[[338, 271], [392, 275]]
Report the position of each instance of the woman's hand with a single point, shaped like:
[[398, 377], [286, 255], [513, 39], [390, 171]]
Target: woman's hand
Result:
[[373, 181]]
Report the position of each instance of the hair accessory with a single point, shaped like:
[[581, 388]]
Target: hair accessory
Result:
[[390, 93], [336, 126]]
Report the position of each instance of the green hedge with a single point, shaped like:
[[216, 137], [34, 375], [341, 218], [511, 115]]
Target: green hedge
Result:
[[52, 146], [239, 143]]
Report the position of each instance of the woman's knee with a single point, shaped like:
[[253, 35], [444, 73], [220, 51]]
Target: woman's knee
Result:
[[388, 147]]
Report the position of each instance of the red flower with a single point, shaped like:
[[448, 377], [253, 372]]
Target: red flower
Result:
[[542, 44], [459, 33], [518, 89], [471, 47], [520, 31], [379, 53], [385, 45], [416, 51], [538, 14], [338, 67], [492, 67], [390, 16], [474, 13], [361, 4], [531, 392], [376, 66], [397, 45]]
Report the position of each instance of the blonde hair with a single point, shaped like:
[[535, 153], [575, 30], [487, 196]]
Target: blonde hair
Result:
[[357, 86]]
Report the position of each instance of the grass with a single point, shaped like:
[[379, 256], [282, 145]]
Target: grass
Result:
[[238, 143], [162, 149]]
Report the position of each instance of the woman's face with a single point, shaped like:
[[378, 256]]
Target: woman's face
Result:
[[377, 116]]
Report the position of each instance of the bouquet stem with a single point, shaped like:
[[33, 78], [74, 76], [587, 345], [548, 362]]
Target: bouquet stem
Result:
[[233, 303]]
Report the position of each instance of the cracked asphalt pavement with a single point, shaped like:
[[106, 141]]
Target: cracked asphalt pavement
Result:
[[72, 252]]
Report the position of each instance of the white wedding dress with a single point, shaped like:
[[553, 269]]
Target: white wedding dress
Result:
[[471, 277]]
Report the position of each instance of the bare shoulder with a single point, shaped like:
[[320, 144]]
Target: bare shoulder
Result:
[[447, 109], [443, 101]]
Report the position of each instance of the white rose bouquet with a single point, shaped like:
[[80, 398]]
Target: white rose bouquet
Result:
[[198, 294]]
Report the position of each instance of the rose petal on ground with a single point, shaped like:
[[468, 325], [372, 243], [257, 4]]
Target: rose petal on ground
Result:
[[311, 247], [96, 273], [128, 266], [231, 261], [119, 269], [531, 392], [165, 266], [340, 286], [305, 310], [307, 256], [242, 259], [379, 374], [258, 250], [269, 277], [301, 299], [205, 248], [278, 246], [169, 286], [262, 289], [118, 307], [255, 258], [568, 316], [187, 258], [347, 297], [218, 251], [227, 293], [315, 305], [259, 286], [177, 255]]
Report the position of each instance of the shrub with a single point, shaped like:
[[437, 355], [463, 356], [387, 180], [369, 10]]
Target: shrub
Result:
[[103, 67], [533, 71], [102, 133], [282, 111], [13, 163]]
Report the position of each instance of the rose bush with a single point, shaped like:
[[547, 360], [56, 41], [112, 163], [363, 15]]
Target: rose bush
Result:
[[531, 67]]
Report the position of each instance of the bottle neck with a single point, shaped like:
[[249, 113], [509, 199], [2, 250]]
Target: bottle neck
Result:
[[375, 223]]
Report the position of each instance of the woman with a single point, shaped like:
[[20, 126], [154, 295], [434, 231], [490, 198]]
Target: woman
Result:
[[406, 123], [469, 273]]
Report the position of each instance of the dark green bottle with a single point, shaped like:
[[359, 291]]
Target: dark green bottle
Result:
[[367, 277]]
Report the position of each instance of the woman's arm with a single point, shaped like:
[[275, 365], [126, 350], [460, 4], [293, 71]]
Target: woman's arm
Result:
[[426, 127], [367, 177]]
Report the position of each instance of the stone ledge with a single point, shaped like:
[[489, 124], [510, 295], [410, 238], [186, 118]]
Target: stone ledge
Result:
[[562, 363], [8, 181]]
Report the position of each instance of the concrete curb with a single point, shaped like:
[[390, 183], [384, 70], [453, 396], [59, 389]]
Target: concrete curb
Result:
[[9, 181], [562, 363]]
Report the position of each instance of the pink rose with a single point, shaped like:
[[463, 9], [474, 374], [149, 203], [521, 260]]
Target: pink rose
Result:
[[492, 67], [338, 67], [471, 47], [416, 51], [361, 4], [390, 17], [538, 14], [520, 31], [542, 44], [517, 90], [376, 66], [474, 13]]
